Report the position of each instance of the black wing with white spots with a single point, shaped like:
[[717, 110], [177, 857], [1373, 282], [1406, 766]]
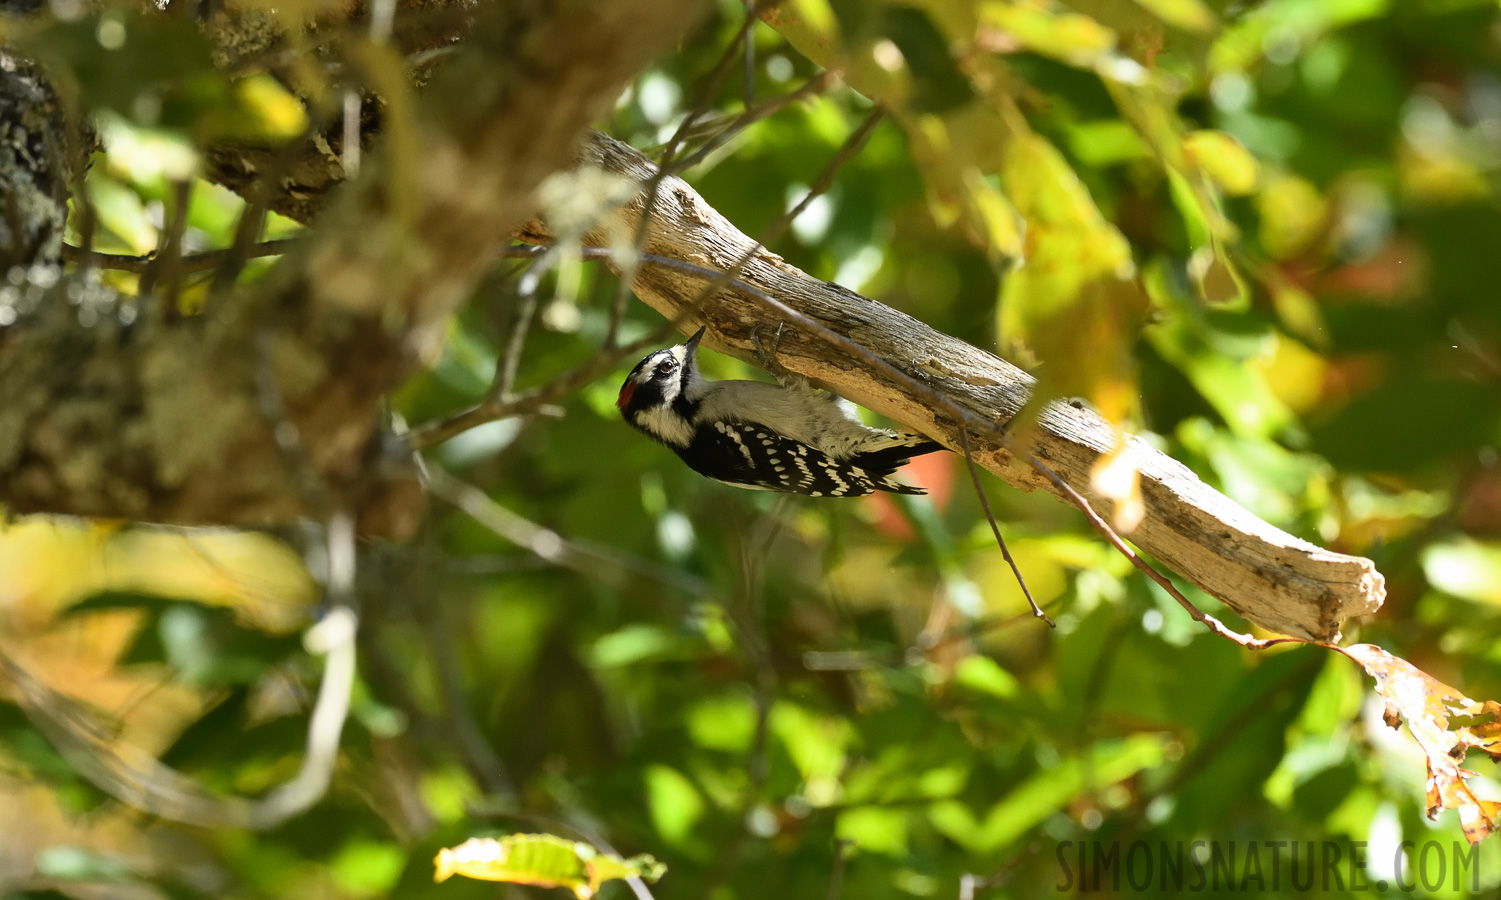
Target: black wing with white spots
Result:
[[749, 455]]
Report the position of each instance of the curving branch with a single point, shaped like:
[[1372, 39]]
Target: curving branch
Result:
[[1271, 578]]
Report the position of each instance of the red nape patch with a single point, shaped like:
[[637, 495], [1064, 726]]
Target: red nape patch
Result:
[[626, 391]]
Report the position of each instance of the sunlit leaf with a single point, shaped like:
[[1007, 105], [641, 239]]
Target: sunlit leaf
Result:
[[1446, 724], [675, 804], [122, 213], [723, 723], [1190, 15], [542, 860], [1106, 142], [1292, 214], [815, 742], [875, 829], [1218, 282], [1465, 568], [1070, 37], [269, 112], [981, 673], [1073, 296], [1044, 793], [1224, 159]]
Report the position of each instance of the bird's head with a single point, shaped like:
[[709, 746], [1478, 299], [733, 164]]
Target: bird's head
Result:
[[659, 394]]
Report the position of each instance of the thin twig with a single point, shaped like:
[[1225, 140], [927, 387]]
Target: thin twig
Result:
[[836, 876], [244, 247], [545, 543], [927, 642], [815, 85], [269, 179], [437, 632], [825, 180], [711, 85], [747, 616], [333, 637], [166, 267], [970, 884], [196, 262], [88, 223], [750, 55], [382, 17], [510, 362], [430, 434], [310, 47], [1116, 541], [350, 140], [284, 432], [974, 476], [968, 632]]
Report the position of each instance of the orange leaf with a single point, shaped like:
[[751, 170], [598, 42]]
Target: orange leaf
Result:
[[1435, 714]]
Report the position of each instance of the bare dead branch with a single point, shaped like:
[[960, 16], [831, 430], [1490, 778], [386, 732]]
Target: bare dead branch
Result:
[[1274, 579]]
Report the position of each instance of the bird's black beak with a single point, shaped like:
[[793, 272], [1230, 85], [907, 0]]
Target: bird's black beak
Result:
[[692, 343]]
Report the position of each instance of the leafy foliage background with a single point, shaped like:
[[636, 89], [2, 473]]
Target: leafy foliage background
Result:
[[796, 698]]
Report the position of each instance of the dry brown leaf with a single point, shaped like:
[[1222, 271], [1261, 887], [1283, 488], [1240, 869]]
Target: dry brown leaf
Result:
[[1446, 724]]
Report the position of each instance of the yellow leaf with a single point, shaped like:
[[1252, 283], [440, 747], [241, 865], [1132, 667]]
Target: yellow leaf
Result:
[[1073, 298], [277, 113], [1293, 214], [1218, 283], [1070, 37], [541, 860], [991, 210], [1189, 15], [1223, 159], [810, 26], [1115, 476]]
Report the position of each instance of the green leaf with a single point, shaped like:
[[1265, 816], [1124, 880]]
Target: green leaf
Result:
[[876, 830], [1043, 794], [1466, 568], [815, 742], [675, 804], [725, 723], [1189, 15]]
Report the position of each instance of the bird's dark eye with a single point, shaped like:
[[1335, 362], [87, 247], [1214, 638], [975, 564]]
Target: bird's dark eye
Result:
[[666, 367]]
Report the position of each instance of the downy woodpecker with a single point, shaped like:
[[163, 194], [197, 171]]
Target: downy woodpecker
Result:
[[788, 437]]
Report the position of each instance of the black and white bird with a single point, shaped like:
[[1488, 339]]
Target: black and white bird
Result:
[[787, 437]]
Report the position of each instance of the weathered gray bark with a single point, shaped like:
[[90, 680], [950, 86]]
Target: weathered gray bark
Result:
[[35, 169], [1271, 578], [266, 407]]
